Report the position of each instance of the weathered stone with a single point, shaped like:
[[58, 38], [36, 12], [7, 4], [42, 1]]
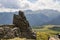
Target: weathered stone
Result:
[[21, 22], [16, 31], [8, 32], [1, 32]]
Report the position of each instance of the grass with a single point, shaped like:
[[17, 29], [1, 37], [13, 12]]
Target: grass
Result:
[[17, 38], [46, 31]]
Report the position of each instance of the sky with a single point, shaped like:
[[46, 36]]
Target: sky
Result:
[[15, 5]]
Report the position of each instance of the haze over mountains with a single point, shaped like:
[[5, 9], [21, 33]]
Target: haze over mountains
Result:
[[6, 18], [35, 18], [55, 21], [41, 17]]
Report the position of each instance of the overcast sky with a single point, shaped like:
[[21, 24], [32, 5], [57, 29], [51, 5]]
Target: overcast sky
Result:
[[14, 5]]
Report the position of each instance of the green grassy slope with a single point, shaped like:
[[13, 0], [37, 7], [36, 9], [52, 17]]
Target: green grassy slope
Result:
[[43, 32], [47, 28]]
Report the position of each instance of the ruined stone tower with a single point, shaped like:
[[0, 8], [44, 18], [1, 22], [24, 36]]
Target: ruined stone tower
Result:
[[21, 22]]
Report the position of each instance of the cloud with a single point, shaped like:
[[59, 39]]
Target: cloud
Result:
[[10, 3], [45, 4], [56, 0], [8, 10], [32, 1], [0, 4], [30, 4]]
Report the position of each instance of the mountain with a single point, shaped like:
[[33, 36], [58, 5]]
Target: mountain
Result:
[[6, 17], [40, 17], [35, 18], [50, 13], [55, 21]]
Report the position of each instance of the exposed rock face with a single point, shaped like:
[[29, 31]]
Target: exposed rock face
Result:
[[21, 22]]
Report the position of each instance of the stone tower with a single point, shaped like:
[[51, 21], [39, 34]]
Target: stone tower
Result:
[[21, 22]]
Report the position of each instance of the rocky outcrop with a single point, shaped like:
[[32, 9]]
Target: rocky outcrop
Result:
[[20, 28], [21, 22]]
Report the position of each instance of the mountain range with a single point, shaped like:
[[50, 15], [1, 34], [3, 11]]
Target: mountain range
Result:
[[35, 18], [41, 17]]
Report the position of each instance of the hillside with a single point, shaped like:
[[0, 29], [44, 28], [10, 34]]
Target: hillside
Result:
[[46, 31], [55, 21], [47, 28]]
